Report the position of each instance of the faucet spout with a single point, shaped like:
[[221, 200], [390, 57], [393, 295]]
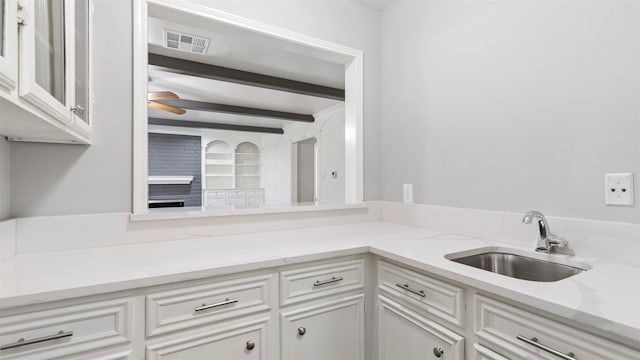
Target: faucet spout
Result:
[[547, 242]]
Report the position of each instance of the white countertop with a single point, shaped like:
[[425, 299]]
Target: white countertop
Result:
[[605, 298]]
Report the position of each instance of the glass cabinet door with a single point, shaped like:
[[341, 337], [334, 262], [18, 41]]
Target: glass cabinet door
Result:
[[46, 64], [50, 61], [81, 74], [8, 44]]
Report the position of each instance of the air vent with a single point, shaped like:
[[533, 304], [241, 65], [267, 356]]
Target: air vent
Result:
[[185, 42]]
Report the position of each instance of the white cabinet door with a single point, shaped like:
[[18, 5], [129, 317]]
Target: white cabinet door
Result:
[[245, 341], [46, 57], [81, 104], [329, 330], [8, 44], [405, 335]]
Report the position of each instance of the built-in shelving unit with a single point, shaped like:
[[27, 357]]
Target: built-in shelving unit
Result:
[[232, 173], [219, 158], [247, 166]]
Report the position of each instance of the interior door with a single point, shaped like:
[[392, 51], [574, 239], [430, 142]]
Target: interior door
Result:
[[306, 170]]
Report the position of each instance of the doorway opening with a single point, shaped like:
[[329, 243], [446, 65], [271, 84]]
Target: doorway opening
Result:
[[305, 170]]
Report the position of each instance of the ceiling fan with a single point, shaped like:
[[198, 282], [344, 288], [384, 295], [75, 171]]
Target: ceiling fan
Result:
[[152, 98]]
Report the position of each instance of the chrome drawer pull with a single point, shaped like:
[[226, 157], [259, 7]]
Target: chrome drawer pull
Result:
[[406, 287], [22, 342], [221, 303], [534, 342], [325, 282]]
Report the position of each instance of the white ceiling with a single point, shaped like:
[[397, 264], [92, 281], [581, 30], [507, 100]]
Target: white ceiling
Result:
[[378, 4], [245, 52], [213, 91], [250, 52]]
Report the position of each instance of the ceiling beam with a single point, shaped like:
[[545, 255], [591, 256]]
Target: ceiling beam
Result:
[[216, 126], [237, 110], [193, 68]]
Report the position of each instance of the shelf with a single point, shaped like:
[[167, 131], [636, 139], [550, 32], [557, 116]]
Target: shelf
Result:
[[218, 162], [247, 164], [247, 175], [248, 154], [219, 175], [170, 180]]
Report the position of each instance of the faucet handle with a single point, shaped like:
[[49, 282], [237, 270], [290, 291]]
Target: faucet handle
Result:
[[554, 241]]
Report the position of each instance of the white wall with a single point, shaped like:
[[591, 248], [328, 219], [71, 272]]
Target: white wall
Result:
[[277, 158], [69, 179], [55, 179], [4, 180], [511, 105]]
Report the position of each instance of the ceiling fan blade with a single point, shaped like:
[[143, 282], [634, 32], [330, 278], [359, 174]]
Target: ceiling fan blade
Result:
[[161, 95], [171, 109]]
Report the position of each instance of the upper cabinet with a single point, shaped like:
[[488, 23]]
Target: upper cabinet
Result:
[[48, 99]]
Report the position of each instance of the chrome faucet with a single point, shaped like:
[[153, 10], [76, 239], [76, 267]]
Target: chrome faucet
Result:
[[547, 242]]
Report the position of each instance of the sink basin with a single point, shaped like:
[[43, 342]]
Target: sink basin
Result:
[[519, 264]]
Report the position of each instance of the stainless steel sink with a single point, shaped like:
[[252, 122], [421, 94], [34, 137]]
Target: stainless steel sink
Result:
[[517, 264]]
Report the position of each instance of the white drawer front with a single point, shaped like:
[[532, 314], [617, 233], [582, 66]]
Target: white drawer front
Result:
[[246, 341], [438, 298], [320, 280], [93, 326], [405, 335], [499, 325], [190, 306]]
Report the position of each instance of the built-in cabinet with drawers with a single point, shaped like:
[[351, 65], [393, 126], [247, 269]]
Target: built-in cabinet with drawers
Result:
[[44, 70], [305, 311], [418, 316], [232, 173]]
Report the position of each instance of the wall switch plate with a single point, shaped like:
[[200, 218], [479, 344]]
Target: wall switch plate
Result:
[[618, 189], [407, 193]]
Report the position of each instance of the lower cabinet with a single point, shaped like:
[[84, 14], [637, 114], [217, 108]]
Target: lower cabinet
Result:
[[482, 353], [519, 334], [246, 340], [405, 335], [331, 329], [312, 311]]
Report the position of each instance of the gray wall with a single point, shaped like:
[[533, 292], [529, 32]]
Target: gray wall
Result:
[[4, 179], [59, 179], [176, 155], [49, 179], [511, 105]]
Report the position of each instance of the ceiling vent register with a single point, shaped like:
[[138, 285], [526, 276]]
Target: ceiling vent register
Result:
[[185, 42]]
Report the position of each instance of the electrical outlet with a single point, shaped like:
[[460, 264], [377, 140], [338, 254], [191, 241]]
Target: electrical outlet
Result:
[[407, 193], [618, 189]]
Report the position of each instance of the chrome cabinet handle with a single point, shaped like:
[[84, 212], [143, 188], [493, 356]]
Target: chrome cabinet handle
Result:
[[438, 352], [302, 331], [211, 306], [325, 282], [534, 342], [22, 342], [250, 345], [406, 287]]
